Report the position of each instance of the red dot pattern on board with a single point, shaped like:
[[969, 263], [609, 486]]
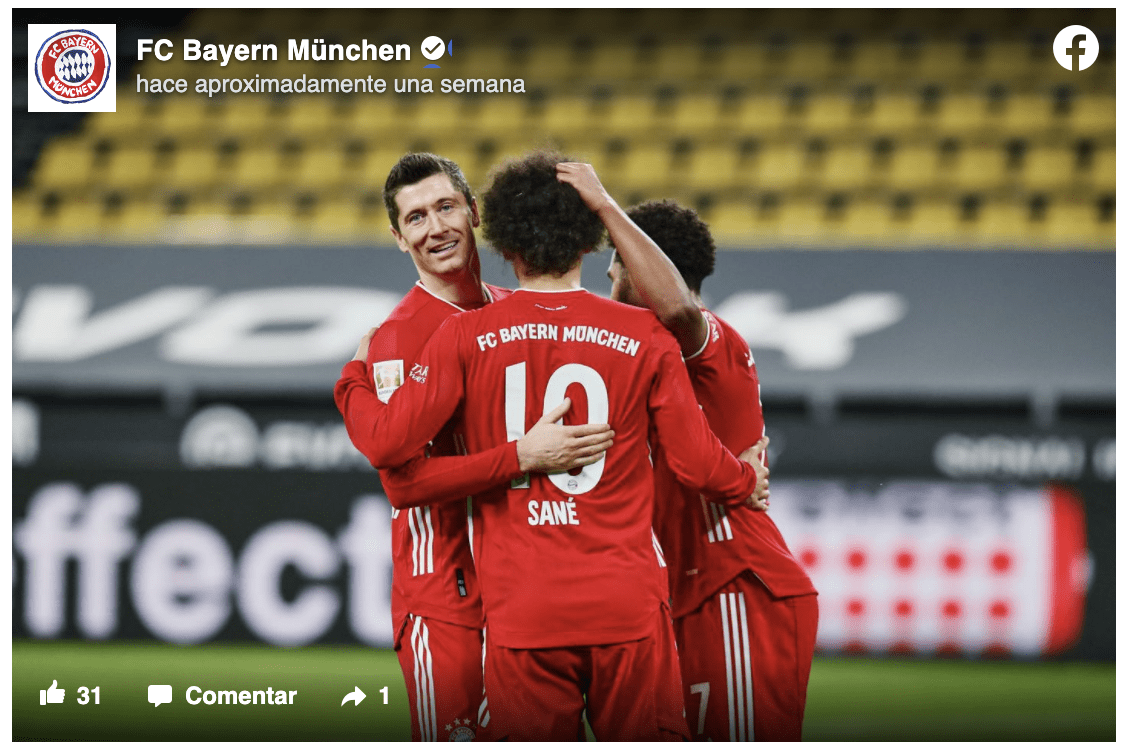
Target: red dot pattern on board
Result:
[[948, 648], [854, 647], [905, 560], [953, 561], [809, 558], [856, 558], [996, 650], [999, 610], [855, 607], [951, 609], [1001, 562], [902, 648], [903, 608]]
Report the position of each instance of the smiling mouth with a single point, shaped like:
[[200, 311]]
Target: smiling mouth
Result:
[[443, 248]]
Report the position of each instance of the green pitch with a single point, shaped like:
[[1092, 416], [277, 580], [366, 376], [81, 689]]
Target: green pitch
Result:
[[848, 699]]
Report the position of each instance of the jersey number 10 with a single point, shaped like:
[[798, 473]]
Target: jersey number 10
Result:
[[598, 411]]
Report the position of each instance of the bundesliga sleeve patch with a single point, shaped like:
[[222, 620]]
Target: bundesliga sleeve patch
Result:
[[388, 376]]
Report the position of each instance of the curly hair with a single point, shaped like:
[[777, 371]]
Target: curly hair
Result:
[[415, 167], [530, 215], [681, 235]]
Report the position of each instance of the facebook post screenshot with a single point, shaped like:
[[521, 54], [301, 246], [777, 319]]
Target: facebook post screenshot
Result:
[[564, 374]]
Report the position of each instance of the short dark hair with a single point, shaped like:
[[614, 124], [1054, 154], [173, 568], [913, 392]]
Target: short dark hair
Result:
[[681, 235], [529, 214], [415, 167]]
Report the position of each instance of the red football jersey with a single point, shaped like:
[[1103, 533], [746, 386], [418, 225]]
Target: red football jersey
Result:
[[434, 574], [567, 559], [706, 544]]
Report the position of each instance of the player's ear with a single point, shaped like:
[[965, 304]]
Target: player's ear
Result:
[[402, 244], [475, 213]]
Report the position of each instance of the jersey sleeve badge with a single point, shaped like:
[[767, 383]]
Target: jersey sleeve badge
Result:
[[388, 376]]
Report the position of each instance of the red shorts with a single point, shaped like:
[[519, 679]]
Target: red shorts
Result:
[[442, 666], [540, 694], [746, 660]]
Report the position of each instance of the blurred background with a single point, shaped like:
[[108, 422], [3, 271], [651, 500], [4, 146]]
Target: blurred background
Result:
[[915, 213]]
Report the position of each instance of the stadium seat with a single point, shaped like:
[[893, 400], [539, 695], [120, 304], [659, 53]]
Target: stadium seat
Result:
[[932, 223], [631, 115], [715, 167], [646, 166], [132, 116], [1075, 224], [697, 113], [501, 116], [681, 62], [781, 168], [185, 117], [962, 114], [848, 168], [130, 168], [27, 217], [553, 61], [894, 114], [316, 118], [320, 168], [1103, 172], [258, 169], [977, 168], [1093, 114], [1027, 114], [1049, 168], [913, 167], [65, 164], [192, 168], [828, 115], [249, 117], [761, 115], [568, 115], [867, 222], [77, 222]]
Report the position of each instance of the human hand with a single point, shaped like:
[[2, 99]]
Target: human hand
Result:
[[753, 455], [583, 178], [364, 346], [553, 448]]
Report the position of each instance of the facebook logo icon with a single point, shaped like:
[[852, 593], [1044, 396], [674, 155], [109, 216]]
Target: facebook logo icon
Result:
[[1076, 48]]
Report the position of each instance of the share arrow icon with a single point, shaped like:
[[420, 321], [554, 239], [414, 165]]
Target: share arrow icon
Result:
[[357, 695]]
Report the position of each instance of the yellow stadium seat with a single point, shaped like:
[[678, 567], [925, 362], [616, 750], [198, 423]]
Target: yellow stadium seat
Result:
[[630, 115], [1027, 114], [65, 164], [130, 168], [938, 61], [1049, 168], [192, 168], [802, 221], [781, 168], [647, 166], [337, 222], [553, 61], [257, 169], [501, 115], [377, 164], [1013, 61], [742, 61], [1104, 170], [248, 117], [27, 217], [1006, 225], [893, 114], [715, 167], [186, 117], [978, 168], [137, 221], [933, 223], [568, 115], [77, 222], [828, 115], [131, 116], [1093, 114], [808, 61], [867, 222], [320, 168], [1076, 224], [913, 167], [962, 114], [695, 114], [733, 219], [378, 117], [615, 60], [761, 115], [847, 168], [680, 62], [316, 118]]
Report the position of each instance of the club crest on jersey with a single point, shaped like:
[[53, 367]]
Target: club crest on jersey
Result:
[[73, 66], [419, 372], [388, 376], [460, 730]]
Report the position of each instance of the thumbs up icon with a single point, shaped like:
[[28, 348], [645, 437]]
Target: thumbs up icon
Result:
[[52, 694]]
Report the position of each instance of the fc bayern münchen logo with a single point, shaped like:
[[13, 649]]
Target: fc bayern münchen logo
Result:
[[72, 66]]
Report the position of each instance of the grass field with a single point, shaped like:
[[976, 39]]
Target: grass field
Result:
[[849, 698]]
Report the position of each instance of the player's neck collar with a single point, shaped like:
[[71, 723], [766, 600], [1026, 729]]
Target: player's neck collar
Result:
[[483, 289]]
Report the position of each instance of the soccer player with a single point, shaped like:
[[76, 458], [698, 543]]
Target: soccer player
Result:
[[437, 610], [745, 612], [575, 607]]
